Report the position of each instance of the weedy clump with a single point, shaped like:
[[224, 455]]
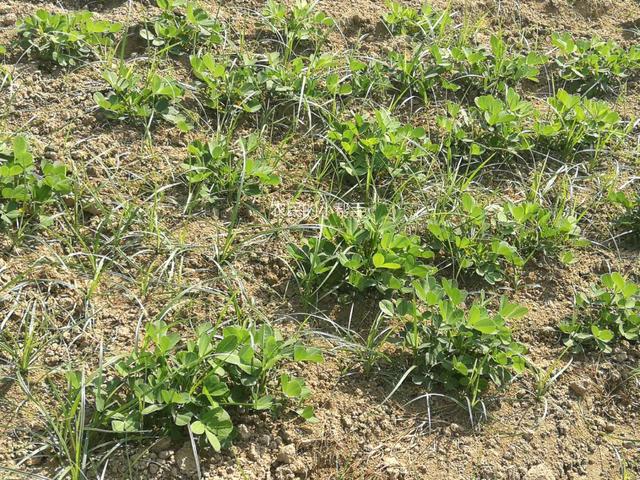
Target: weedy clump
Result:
[[302, 27], [183, 27], [493, 128], [6, 73], [368, 78], [483, 70], [288, 92], [497, 241], [142, 98], [215, 170], [306, 86], [171, 386], [578, 127], [67, 39], [461, 349], [427, 23], [373, 251], [418, 73], [594, 67], [629, 221], [372, 152], [229, 85], [27, 188], [610, 312]]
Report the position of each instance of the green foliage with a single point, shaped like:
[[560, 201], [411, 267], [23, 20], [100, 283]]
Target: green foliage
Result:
[[418, 72], [594, 67], [303, 86], [370, 150], [490, 240], [138, 98], [213, 171], [461, 350], [490, 70], [6, 75], [630, 219], [168, 385], [25, 188], [311, 78], [182, 26], [300, 25], [368, 78], [608, 313], [361, 253], [492, 127], [229, 84], [578, 125], [426, 23], [66, 39]]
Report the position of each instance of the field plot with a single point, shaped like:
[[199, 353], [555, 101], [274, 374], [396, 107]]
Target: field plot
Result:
[[337, 240]]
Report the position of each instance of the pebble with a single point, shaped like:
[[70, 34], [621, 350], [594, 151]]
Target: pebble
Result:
[[578, 388], [8, 19], [243, 432], [621, 357], [563, 427], [185, 460], [165, 454], [253, 453], [454, 428], [391, 462], [287, 454], [540, 472]]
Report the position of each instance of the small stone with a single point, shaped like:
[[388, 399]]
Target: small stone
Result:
[[299, 467], [165, 454], [161, 445], [287, 454], [455, 429], [391, 462], [621, 357], [34, 461], [578, 388], [527, 435], [243, 432], [609, 427], [185, 460], [564, 427], [253, 453], [539, 472], [264, 440], [153, 468], [8, 20]]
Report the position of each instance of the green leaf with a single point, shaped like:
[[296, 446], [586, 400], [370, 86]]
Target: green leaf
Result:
[[604, 335], [511, 311], [292, 387], [308, 414], [213, 440], [264, 403], [198, 427], [480, 320], [307, 354]]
